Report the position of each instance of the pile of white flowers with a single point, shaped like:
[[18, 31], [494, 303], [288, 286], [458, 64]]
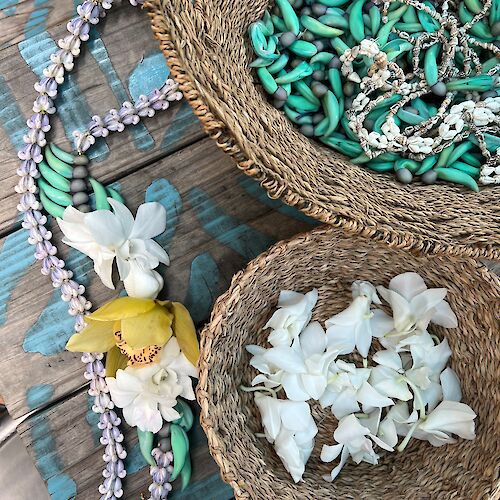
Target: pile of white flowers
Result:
[[405, 390]]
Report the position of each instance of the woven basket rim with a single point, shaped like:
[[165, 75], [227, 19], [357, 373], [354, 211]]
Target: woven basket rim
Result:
[[222, 309], [218, 131]]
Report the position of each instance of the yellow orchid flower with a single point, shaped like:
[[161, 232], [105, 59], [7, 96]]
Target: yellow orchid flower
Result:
[[139, 328]]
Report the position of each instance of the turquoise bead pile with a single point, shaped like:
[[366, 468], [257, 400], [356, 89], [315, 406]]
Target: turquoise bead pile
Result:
[[299, 46]]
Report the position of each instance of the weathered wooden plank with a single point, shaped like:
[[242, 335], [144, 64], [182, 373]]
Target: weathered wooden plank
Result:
[[64, 444], [120, 61], [218, 220]]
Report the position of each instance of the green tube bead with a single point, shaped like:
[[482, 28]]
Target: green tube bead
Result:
[[322, 58], [268, 23], [380, 166], [359, 160], [334, 20], [321, 127], [410, 16], [459, 150], [64, 156], [296, 117], [465, 167], [279, 64], [408, 117], [332, 3], [55, 195], [101, 201], [345, 126], [305, 91], [385, 31], [261, 62], [386, 103], [490, 64], [409, 27], [475, 6], [471, 159], [431, 64], [267, 80], [303, 49], [57, 165], [494, 16], [336, 82], [298, 73], [481, 83], [113, 193], [320, 29], [301, 104], [458, 177], [289, 16], [278, 23], [50, 207], [375, 19], [428, 23], [421, 107], [411, 165], [53, 178], [349, 148], [356, 24], [427, 164], [396, 14], [333, 111], [377, 125], [339, 45], [444, 155]]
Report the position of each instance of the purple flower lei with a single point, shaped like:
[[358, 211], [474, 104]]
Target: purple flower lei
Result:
[[89, 13]]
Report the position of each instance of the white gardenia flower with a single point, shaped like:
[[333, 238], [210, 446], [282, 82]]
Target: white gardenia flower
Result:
[[293, 314], [353, 439], [348, 387], [105, 236], [414, 306], [355, 326], [290, 426], [148, 394], [302, 369]]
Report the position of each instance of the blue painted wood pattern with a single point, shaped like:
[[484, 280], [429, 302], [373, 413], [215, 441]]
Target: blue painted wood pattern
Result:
[[227, 235]]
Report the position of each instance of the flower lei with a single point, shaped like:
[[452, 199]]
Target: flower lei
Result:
[[53, 174]]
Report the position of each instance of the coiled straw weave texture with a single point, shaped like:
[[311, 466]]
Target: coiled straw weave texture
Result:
[[207, 49], [331, 261]]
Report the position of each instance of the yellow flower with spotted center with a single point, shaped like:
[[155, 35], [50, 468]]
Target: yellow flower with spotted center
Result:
[[139, 328]]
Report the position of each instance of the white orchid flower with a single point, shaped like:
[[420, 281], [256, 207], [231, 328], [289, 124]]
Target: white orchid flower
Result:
[[148, 394], [355, 440], [290, 426], [104, 236], [302, 369], [348, 387], [388, 377], [414, 306], [355, 326], [293, 314]]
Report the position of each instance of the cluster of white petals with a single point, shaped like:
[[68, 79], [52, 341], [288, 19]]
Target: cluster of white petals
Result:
[[106, 236], [406, 391], [149, 393]]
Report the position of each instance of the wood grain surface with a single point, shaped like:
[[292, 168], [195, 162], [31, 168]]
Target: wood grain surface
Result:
[[218, 219]]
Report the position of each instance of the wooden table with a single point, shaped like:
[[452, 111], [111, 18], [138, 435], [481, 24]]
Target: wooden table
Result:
[[218, 219]]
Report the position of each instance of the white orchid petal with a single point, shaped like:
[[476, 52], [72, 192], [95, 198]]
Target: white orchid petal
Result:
[[344, 403], [292, 384], [141, 283], [104, 269], [381, 443], [336, 470], [270, 414], [341, 338], [401, 309], [296, 416], [313, 339], [408, 285], [150, 221], [450, 385], [387, 432], [289, 453], [368, 396], [387, 358], [106, 228], [381, 323], [363, 335], [350, 316], [123, 214], [285, 358], [427, 300], [330, 453], [314, 385], [444, 315]]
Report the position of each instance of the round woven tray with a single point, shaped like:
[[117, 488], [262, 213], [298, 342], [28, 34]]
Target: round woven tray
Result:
[[331, 261], [208, 51]]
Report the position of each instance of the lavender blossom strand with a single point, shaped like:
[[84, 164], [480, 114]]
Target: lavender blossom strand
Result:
[[128, 114], [160, 474], [89, 13]]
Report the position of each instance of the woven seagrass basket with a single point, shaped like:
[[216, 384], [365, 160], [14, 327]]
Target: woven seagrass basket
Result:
[[329, 260], [208, 51]]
